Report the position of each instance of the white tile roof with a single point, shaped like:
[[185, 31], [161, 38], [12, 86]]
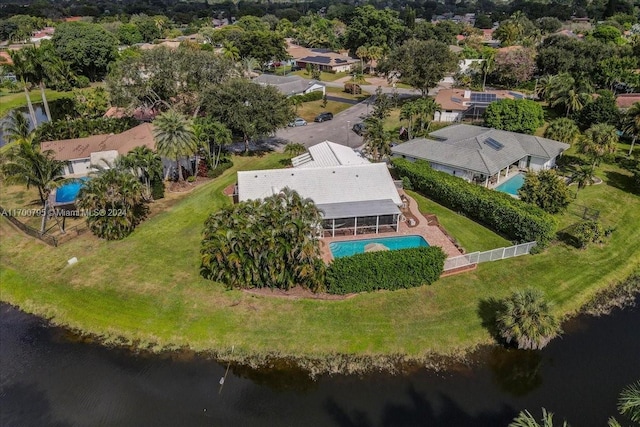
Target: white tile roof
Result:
[[328, 154], [336, 184]]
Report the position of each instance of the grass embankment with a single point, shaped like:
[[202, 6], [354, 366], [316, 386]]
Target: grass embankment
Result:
[[146, 288], [9, 101]]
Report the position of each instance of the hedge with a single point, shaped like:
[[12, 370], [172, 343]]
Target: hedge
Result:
[[390, 270], [311, 96], [222, 166], [520, 221]]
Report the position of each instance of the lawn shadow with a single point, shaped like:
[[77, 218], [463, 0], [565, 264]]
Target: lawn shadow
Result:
[[621, 181], [488, 310]]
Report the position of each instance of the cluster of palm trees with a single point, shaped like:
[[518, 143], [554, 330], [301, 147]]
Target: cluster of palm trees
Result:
[[563, 90], [419, 113], [271, 243], [368, 54]]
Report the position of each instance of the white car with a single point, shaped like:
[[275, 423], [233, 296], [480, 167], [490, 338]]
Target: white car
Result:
[[299, 121]]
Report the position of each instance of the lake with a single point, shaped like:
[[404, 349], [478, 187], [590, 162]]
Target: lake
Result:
[[41, 117], [49, 378]]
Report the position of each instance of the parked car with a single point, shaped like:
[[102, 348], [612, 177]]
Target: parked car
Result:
[[323, 117], [359, 128], [298, 121]]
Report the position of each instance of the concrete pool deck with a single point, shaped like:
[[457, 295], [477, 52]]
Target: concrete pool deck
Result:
[[428, 229]]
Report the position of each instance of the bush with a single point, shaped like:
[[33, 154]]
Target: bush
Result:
[[546, 190], [502, 213], [388, 270], [586, 232], [222, 166], [82, 81], [311, 96], [157, 189], [81, 128]]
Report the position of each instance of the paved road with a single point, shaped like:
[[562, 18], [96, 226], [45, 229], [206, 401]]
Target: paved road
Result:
[[337, 130]]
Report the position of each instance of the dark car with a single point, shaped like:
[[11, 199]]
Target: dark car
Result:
[[359, 128], [323, 117]]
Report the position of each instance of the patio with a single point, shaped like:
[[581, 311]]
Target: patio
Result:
[[414, 223]]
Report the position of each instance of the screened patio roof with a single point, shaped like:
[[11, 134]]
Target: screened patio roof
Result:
[[358, 209]]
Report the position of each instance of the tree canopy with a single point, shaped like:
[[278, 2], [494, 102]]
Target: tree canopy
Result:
[[89, 48], [515, 115], [421, 63], [373, 27], [546, 190]]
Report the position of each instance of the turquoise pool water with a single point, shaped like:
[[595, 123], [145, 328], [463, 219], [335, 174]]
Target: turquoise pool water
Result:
[[512, 185], [352, 247], [67, 193]]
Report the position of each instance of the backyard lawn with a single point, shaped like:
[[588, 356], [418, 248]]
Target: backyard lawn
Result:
[[309, 110], [146, 289]]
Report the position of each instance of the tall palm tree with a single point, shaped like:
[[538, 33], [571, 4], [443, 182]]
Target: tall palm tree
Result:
[[631, 124], [375, 54], [426, 109], [599, 142], [23, 69], [145, 165], [221, 137], [17, 127], [408, 112], [526, 419], [526, 319], [174, 137], [562, 129], [583, 177], [230, 51], [376, 139], [489, 59]]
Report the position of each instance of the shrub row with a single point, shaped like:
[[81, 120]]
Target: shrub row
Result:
[[311, 96], [506, 215], [222, 166], [406, 268], [82, 128]]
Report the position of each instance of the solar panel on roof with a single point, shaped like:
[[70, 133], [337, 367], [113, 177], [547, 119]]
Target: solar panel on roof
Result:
[[493, 144], [481, 97], [516, 95]]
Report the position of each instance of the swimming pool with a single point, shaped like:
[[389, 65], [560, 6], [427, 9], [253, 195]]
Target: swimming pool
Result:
[[67, 193], [352, 247], [512, 185]]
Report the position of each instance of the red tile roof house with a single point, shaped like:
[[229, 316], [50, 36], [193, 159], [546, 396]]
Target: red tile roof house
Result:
[[83, 154], [624, 101]]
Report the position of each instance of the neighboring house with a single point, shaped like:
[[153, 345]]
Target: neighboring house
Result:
[[458, 104], [352, 193], [624, 101], [479, 154], [44, 34], [5, 58], [82, 154], [140, 113], [324, 59], [290, 85]]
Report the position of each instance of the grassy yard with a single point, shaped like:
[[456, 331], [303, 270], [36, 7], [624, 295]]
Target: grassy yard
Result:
[[9, 101], [146, 289], [309, 110], [340, 93], [324, 76]]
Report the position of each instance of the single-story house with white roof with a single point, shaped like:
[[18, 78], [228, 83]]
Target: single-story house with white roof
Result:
[[82, 154], [290, 85], [480, 154], [352, 193]]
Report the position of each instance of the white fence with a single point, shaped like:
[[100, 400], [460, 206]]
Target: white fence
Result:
[[492, 255]]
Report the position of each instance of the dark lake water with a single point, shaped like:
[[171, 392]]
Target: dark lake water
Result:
[[48, 379]]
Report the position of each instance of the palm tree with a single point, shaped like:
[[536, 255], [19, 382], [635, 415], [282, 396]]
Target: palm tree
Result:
[[116, 196], [526, 320], [23, 69], [489, 59], [221, 137], [583, 177], [562, 129], [426, 109], [629, 402], [230, 51], [599, 142], [376, 139], [631, 124], [145, 165], [375, 54], [174, 137], [249, 64], [16, 128], [294, 149], [526, 419], [408, 111], [363, 53]]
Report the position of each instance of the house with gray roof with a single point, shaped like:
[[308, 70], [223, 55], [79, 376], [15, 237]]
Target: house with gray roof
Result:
[[290, 85], [482, 155]]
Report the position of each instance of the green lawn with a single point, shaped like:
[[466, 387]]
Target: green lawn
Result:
[[9, 101], [146, 288], [324, 76], [340, 93], [309, 110]]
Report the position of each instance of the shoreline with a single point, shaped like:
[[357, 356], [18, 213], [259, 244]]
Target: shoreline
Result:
[[617, 295]]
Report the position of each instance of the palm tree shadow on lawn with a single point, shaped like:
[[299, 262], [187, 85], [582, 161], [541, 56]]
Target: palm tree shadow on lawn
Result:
[[488, 310]]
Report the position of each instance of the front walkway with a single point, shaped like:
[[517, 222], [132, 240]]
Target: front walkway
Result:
[[414, 224]]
